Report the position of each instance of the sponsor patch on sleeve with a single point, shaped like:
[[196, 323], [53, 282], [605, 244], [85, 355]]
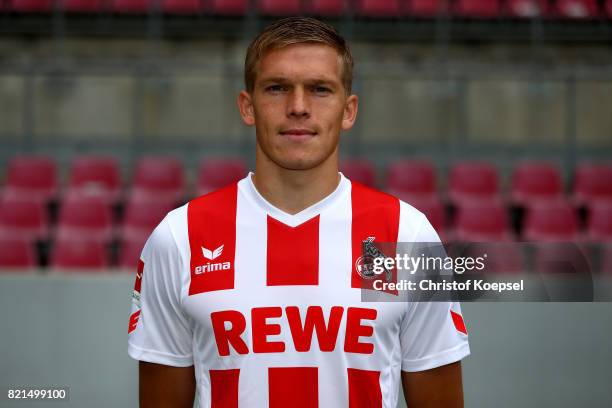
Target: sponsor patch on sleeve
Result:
[[458, 322]]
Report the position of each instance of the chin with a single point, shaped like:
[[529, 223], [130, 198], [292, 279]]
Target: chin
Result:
[[300, 163]]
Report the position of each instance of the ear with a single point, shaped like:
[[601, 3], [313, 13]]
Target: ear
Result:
[[350, 112], [245, 106]]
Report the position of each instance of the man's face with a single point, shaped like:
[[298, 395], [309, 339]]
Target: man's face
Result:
[[299, 105]]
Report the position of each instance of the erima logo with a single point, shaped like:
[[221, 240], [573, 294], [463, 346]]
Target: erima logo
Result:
[[210, 255], [211, 267]]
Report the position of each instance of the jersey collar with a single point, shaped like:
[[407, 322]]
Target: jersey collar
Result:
[[247, 187]]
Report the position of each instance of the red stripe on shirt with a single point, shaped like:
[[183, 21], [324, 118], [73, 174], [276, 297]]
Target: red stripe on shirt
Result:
[[224, 388], [295, 387], [212, 230], [364, 388], [293, 253], [377, 215]]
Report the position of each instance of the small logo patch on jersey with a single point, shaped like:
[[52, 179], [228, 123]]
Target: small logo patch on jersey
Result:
[[458, 322], [365, 267], [138, 284], [212, 266], [211, 255], [133, 321], [136, 298], [365, 263]]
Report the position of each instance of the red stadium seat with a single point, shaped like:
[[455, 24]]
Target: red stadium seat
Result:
[[580, 9], [182, 6], [26, 220], [219, 172], [326, 7], [141, 217], [16, 253], [593, 182], [359, 170], [551, 221], [527, 8], [129, 252], [415, 177], [478, 8], [379, 8], [427, 8], [279, 7], [96, 175], [599, 221], [31, 178], [85, 217], [79, 254], [482, 222], [228, 7], [82, 6], [131, 6], [473, 181], [159, 178], [32, 6], [535, 181]]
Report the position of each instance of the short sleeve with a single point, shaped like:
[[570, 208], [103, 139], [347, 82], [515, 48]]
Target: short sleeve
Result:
[[432, 334], [159, 331]]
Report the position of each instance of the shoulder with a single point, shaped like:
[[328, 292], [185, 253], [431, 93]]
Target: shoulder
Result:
[[217, 200], [369, 198], [413, 225], [376, 200], [164, 236], [389, 216], [173, 230], [165, 254]]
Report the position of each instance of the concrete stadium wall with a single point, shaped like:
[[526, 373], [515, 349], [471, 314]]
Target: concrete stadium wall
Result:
[[138, 94], [71, 330], [201, 107]]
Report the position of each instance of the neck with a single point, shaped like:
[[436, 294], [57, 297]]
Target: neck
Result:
[[294, 190]]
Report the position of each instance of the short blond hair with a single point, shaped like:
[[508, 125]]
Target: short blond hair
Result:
[[297, 30]]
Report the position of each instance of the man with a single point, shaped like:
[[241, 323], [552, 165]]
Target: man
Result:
[[250, 295]]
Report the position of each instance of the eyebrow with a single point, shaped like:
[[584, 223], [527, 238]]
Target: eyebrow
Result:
[[280, 79]]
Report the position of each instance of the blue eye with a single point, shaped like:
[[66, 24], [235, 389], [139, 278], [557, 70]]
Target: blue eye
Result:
[[275, 88], [322, 90]]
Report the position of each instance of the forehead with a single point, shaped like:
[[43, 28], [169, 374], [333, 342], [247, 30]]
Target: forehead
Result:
[[301, 61]]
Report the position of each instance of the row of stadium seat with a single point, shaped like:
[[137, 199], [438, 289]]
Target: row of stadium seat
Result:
[[68, 254], [492, 221], [162, 178], [155, 178], [91, 217], [87, 216], [580, 9]]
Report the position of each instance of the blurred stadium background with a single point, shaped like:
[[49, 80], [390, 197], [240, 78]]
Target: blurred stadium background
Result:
[[494, 117]]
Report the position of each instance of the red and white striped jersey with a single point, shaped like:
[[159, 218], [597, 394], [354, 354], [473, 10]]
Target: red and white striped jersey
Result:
[[267, 305]]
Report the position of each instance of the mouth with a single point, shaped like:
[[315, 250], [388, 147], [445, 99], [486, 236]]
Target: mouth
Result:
[[298, 133]]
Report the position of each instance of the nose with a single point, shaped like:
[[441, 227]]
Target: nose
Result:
[[297, 105]]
